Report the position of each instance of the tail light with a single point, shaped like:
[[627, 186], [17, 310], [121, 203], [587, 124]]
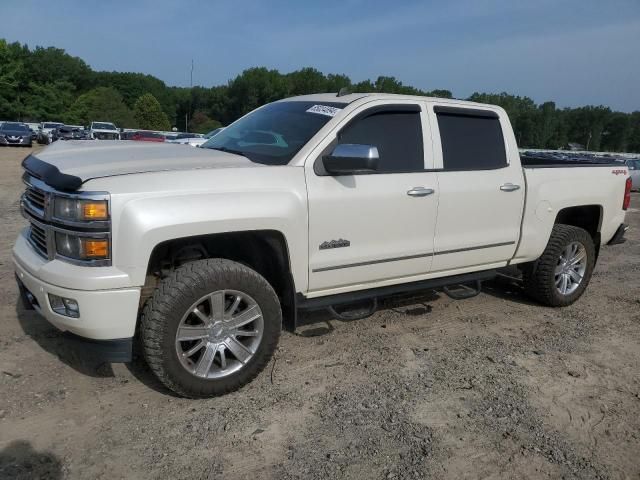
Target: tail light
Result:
[[627, 194]]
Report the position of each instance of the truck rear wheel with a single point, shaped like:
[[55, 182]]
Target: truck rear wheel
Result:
[[561, 274], [210, 328]]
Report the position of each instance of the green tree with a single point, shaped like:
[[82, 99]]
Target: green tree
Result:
[[305, 81], [48, 100], [615, 136], [440, 93], [586, 125], [100, 104], [633, 142], [201, 123], [133, 85], [253, 88], [51, 65], [12, 79], [149, 115], [337, 81]]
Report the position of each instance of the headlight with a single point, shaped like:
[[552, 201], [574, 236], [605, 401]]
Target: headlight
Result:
[[82, 248], [80, 210]]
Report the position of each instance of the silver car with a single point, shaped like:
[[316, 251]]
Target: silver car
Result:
[[634, 173]]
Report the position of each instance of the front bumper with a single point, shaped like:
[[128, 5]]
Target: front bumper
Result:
[[105, 314], [20, 141], [114, 350]]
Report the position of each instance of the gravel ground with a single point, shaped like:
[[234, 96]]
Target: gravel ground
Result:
[[491, 387]]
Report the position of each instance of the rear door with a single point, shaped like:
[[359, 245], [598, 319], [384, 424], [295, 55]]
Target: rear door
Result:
[[481, 190], [370, 228]]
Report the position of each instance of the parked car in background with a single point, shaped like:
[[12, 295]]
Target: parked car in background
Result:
[[127, 134], [69, 132], [44, 132], [144, 136], [34, 129], [103, 131], [14, 133], [195, 141], [634, 173]]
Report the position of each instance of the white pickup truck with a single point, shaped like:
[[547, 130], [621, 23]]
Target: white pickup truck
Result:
[[103, 131], [309, 202]]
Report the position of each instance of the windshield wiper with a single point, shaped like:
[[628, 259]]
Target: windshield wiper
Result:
[[229, 150]]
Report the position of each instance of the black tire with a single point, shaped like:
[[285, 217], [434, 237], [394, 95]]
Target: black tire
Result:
[[539, 276], [172, 298]]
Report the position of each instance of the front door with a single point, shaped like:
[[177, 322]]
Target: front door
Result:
[[371, 228]]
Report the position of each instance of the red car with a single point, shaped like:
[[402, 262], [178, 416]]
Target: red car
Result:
[[147, 137]]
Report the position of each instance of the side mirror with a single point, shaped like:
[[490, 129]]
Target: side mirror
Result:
[[349, 158]]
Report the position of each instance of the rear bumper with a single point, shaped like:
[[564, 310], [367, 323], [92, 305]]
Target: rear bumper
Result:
[[618, 237]]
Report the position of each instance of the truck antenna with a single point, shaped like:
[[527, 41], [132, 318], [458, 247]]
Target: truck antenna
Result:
[[343, 91]]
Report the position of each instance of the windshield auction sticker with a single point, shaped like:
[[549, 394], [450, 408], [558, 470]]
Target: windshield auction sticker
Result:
[[324, 110]]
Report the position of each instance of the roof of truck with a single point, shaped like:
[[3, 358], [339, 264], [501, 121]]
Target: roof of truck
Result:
[[352, 97]]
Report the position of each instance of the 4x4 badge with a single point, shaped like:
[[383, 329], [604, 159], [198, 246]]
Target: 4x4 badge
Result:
[[335, 244]]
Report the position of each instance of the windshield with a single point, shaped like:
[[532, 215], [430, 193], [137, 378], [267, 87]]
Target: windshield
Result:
[[16, 127], [51, 125], [214, 132], [103, 126], [274, 133]]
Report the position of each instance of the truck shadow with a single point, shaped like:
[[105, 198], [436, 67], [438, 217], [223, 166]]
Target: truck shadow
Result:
[[51, 340], [19, 460], [508, 287]]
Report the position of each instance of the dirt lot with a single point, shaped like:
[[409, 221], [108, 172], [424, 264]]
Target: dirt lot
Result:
[[491, 387]]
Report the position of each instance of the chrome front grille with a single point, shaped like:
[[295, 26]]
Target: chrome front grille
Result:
[[38, 239], [36, 198]]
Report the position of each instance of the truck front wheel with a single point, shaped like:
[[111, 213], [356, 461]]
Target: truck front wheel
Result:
[[561, 274], [210, 328]]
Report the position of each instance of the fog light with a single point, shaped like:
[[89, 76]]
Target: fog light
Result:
[[64, 306]]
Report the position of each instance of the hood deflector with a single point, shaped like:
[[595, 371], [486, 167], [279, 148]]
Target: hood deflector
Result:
[[50, 174]]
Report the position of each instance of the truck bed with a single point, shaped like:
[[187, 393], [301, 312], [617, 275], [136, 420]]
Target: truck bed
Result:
[[539, 160]]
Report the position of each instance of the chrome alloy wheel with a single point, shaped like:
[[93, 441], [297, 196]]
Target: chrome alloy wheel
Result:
[[572, 264], [219, 334]]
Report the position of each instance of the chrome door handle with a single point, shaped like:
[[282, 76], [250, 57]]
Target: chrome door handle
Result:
[[420, 192], [509, 187]]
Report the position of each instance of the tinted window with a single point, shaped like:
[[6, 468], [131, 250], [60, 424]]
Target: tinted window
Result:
[[396, 134], [103, 126], [471, 142], [16, 127], [274, 133]]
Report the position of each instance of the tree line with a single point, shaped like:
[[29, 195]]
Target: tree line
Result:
[[47, 84]]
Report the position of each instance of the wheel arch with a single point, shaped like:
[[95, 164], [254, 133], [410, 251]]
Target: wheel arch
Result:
[[587, 217], [265, 251]]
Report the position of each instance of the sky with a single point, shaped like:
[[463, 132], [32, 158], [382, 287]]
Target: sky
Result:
[[574, 52]]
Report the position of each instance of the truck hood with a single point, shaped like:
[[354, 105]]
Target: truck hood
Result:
[[67, 165]]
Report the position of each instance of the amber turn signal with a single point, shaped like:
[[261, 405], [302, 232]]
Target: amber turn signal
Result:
[[96, 248], [95, 210]]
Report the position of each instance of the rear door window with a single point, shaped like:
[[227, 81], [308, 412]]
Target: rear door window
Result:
[[471, 139]]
